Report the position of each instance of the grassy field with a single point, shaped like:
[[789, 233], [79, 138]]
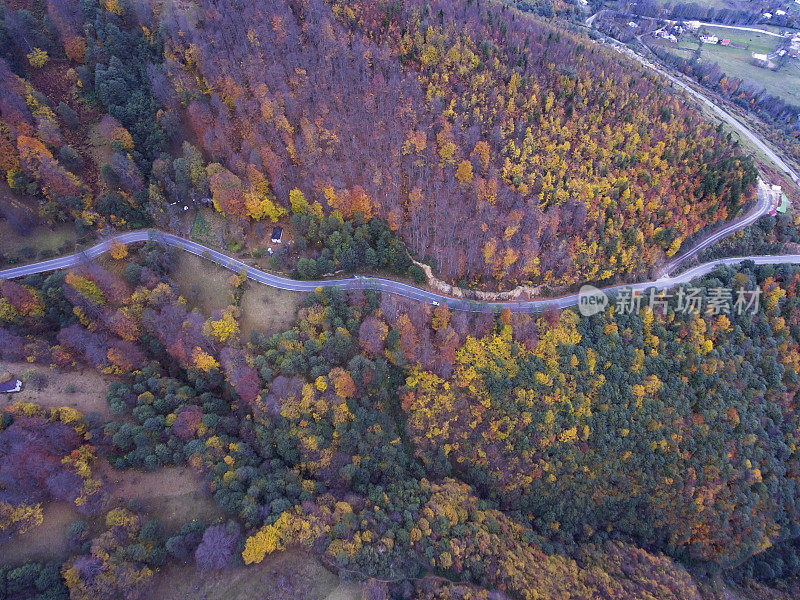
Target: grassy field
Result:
[[205, 286], [268, 310], [46, 542], [755, 42], [84, 390], [684, 49], [173, 495], [283, 576], [39, 244], [784, 83]]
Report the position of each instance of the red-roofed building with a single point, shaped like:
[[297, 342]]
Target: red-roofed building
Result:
[[725, 42]]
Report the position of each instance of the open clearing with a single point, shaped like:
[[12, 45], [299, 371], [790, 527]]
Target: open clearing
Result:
[[205, 286], [40, 243], [173, 495], [284, 576], [46, 542], [268, 310], [755, 42], [735, 63], [84, 390]]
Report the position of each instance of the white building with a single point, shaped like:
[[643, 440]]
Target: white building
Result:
[[767, 15], [11, 386], [709, 39]]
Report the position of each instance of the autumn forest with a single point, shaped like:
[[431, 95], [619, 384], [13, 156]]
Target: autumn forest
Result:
[[414, 451]]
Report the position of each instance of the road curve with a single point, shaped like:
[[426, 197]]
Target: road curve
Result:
[[761, 208], [374, 283]]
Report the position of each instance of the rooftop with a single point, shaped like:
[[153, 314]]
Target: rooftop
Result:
[[12, 385]]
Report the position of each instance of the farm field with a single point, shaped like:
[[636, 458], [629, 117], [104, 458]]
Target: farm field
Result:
[[755, 42], [784, 83]]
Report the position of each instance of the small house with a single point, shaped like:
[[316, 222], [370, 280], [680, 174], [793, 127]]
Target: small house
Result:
[[766, 15], [725, 42], [709, 39], [10, 386], [763, 61], [780, 13], [633, 24], [277, 234]]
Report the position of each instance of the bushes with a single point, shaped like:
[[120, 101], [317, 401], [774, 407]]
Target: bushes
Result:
[[352, 245], [33, 580], [70, 158], [417, 274]]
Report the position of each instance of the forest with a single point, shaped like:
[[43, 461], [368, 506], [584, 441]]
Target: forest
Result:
[[571, 164], [425, 451], [421, 452]]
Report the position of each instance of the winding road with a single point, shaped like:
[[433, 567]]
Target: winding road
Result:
[[759, 210], [375, 283], [663, 282]]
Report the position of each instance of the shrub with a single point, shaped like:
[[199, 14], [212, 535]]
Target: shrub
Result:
[[69, 116]]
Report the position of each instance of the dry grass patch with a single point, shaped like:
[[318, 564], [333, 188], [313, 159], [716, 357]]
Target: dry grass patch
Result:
[[268, 310], [84, 390], [204, 284], [283, 576], [44, 543], [173, 495]]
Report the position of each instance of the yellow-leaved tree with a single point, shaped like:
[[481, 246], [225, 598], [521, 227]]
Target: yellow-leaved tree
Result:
[[264, 542], [223, 328]]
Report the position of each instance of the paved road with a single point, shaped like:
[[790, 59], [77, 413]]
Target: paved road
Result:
[[374, 283], [665, 281], [737, 27], [760, 209]]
